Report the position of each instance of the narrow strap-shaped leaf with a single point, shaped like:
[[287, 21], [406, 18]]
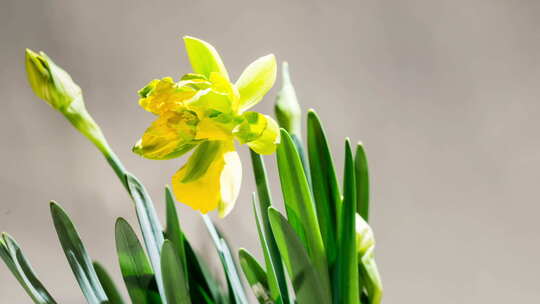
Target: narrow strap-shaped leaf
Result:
[[227, 262], [308, 284], [136, 270], [78, 258], [346, 287], [276, 274], [255, 275], [301, 152], [299, 204], [174, 278], [22, 270], [324, 184], [108, 284], [362, 182], [173, 232], [201, 282], [150, 226]]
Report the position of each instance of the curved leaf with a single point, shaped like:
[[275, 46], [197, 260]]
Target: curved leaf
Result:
[[299, 204], [362, 182], [22, 270], [78, 258], [108, 284], [149, 224], [308, 284], [346, 290], [276, 274], [174, 277], [255, 275], [324, 184], [136, 270]]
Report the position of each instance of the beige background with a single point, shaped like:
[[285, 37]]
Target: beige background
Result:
[[445, 95]]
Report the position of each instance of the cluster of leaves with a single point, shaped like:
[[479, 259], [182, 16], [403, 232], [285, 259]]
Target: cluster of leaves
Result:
[[312, 249]]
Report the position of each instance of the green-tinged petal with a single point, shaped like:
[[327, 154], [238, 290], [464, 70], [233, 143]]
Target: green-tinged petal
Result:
[[204, 58], [260, 132], [210, 179], [364, 236], [230, 182], [256, 80], [162, 95], [370, 274], [170, 135], [50, 82]]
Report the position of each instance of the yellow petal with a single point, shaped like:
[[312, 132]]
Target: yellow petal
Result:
[[260, 132], [209, 129], [169, 136], [160, 96], [256, 80], [204, 58], [230, 179], [210, 179]]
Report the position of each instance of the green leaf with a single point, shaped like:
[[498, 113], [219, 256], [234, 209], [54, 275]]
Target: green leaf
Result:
[[346, 287], [173, 232], [324, 184], [204, 58], [276, 274], [149, 224], [174, 276], [255, 275], [136, 270], [256, 80], [307, 282], [108, 284], [201, 282], [78, 258], [362, 182], [299, 204], [227, 262], [22, 270]]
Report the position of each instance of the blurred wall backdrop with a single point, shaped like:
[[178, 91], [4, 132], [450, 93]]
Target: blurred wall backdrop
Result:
[[444, 94]]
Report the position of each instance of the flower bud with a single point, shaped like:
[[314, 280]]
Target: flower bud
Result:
[[50, 82], [54, 85], [364, 236], [288, 112]]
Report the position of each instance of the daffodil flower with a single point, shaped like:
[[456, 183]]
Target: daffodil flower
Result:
[[205, 112]]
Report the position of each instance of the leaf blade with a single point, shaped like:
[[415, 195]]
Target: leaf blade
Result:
[[362, 181], [347, 274], [274, 266], [299, 204], [149, 224], [136, 269], [174, 277], [255, 275], [324, 184], [19, 266], [77, 256], [307, 283], [108, 284]]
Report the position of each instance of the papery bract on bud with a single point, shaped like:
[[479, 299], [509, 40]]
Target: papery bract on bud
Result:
[[288, 112], [54, 85], [50, 82], [205, 111]]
